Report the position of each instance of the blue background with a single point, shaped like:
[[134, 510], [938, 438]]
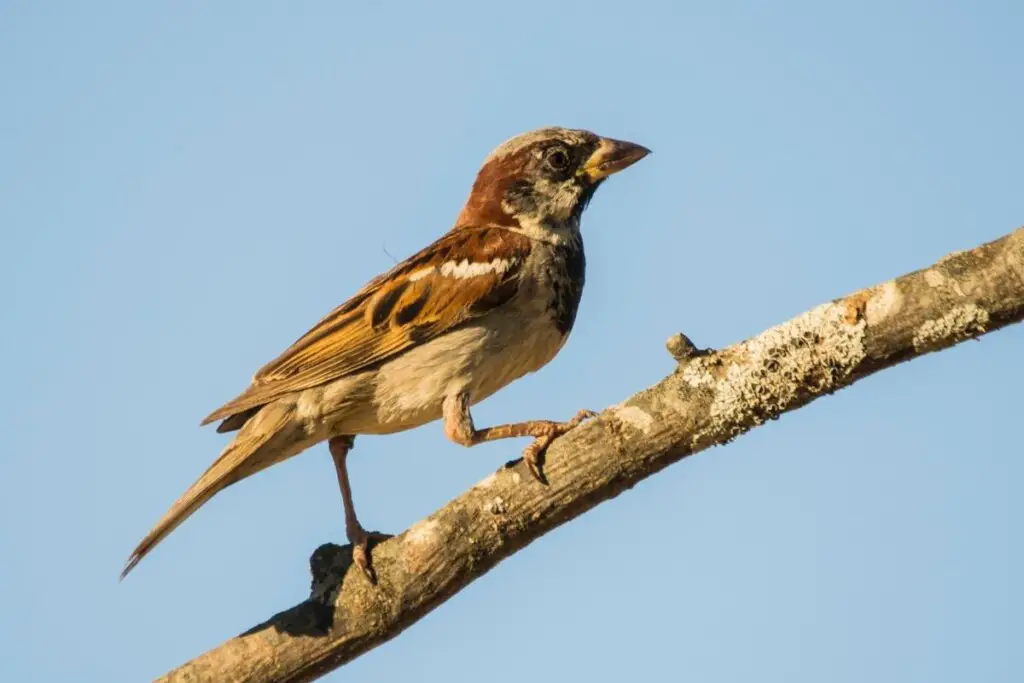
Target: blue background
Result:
[[186, 187]]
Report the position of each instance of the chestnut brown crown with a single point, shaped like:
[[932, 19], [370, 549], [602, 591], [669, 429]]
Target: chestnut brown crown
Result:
[[544, 178]]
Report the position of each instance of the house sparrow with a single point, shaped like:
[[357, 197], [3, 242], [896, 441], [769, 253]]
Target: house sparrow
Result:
[[490, 301]]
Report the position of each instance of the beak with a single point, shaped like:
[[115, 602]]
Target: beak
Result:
[[612, 156]]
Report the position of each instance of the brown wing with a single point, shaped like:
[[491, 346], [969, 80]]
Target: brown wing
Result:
[[463, 275]]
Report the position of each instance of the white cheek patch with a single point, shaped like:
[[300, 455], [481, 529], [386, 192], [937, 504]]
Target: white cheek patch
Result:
[[464, 269]]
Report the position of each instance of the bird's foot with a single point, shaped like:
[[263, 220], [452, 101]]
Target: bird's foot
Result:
[[360, 539], [546, 432]]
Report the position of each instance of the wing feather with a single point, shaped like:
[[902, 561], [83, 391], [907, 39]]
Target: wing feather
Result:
[[464, 275]]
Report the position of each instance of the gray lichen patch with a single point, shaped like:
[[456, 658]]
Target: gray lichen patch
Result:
[[961, 322], [936, 279], [496, 506], [811, 354]]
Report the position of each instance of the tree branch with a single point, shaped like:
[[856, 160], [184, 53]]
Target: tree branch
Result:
[[711, 398]]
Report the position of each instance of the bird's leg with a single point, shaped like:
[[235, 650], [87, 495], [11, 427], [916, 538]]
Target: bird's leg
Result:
[[458, 426], [357, 535]]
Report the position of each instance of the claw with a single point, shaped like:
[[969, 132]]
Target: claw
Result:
[[578, 418], [361, 552], [534, 457], [534, 453]]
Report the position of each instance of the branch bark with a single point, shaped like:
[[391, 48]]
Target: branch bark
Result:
[[711, 398]]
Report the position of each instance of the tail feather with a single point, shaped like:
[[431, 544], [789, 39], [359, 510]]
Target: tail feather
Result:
[[253, 450]]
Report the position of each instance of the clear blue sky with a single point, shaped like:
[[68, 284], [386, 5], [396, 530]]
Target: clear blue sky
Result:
[[186, 187]]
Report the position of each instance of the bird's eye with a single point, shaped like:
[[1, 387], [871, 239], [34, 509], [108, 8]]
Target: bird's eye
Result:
[[558, 159]]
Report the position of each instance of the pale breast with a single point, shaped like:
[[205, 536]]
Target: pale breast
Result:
[[486, 355], [479, 359]]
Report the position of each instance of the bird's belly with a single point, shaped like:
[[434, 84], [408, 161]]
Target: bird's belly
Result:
[[480, 359]]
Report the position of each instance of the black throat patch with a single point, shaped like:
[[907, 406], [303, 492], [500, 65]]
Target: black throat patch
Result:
[[568, 275]]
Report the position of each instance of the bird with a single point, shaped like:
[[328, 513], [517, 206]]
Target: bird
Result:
[[490, 301]]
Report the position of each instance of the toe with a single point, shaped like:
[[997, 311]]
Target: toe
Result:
[[534, 457], [361, 557], [581, 416]]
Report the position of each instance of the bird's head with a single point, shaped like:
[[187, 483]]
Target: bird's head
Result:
[[543, 179]]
